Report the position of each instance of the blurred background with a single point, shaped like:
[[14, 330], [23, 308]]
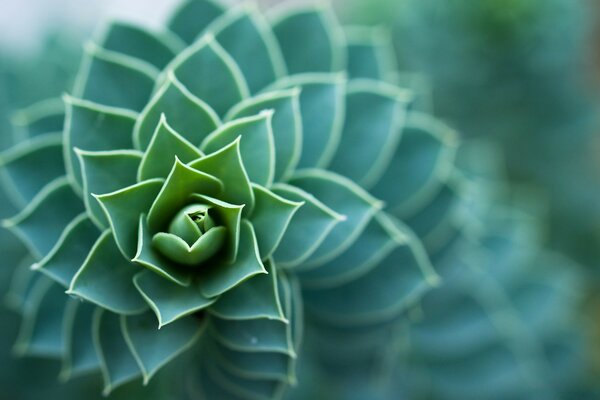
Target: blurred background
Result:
[[518, 78]]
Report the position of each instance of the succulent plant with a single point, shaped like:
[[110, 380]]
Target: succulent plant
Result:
[[216, 187]]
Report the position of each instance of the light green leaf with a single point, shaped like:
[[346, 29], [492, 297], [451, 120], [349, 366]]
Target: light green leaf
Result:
[[40, 224], [249, 40], [322, 106], [209, 73], [226, 165], [311, 39], [370, 53], [71, 250], [155, 48], [271, 218], [193, 16], [175, 248], [106, 279], [223, 276], [255, 298], [346, 198], [106, 172], [94, 127], [182, 182], [286, 123], [123, 209], [165, 145], [375, 114], [188, 115], [257, 147], [114, 79], [307, 229], [20, 164], [153, 348], [116, 361], [80, 356], [168, 300]]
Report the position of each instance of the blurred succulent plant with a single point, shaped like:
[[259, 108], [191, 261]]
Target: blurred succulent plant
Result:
[[210, 181]]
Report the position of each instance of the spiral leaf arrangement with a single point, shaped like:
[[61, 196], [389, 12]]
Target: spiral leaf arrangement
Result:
[[201, 186]]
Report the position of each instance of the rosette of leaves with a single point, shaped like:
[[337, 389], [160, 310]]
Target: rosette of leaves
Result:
[[209, 181]]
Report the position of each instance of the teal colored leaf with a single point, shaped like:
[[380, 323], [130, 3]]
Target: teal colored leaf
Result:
[[40, 224], [223, 276], [227, 166], [165, 145], [22, 281], [157, 49], [193, 16], [43, 117], [370, 53], [307, 229], [322, 107], [190, 116], [148, 257], [346, 198], [255, 298], [311, 40], [421, 163], [41, 332], [209, 73], [105, 172], [375, 114], [106, 279], [286, 123], [257, 147], [153, 348], [182, 182], [271, 218], [178, 250], [168, 300], [117, 364], [123, 209], [429, 215], [94, 127], [22, 177], [114, 79], [80, 356], [250, 41], [71, 250]]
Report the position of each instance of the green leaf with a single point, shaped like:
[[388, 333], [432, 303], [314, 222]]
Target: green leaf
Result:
[[71, 250], [153, 348], [116, 361], [155, 48], [226, 165], [380, 110], [223, 276], [177, 249], [187, 114], [307, 229], [80, 356], [40, 224], [271, 218], [193, 16], [123, 209], [168, 300], [20, 166], [209, 73], [182, 182], [41, 332], [311, 40], [165, 145], [249, 40], [105, 172], [257, 147], [106, 279], [94, 127], [322, 106], [286, 123], [346, 198], [22, 281], [43, 117], [431, 214], [370, 53], [114, 79], [255, 298]]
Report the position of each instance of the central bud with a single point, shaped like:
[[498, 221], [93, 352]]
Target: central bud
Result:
[[192, 237]]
